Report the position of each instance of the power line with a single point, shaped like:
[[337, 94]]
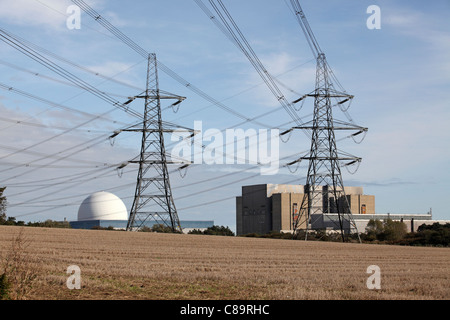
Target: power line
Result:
[[223, 199], [101, 140], [52, 137], [143, 53], [234, 34], [41, 182], [42, 76], [39, 188], [44, 126], [33, 54]]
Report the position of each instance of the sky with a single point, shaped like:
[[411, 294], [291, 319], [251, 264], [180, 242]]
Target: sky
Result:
[[54, 146]]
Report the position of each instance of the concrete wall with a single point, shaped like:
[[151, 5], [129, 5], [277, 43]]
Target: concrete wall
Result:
[[354, 190], [327, 204], [411, 224], [239, 225], [265, 208], [256, 210], [278, 220], [329, 221], [357, 201], [369, 201], [412, 221], [353, 201], [283, 205], [284, 188], [269, 207]]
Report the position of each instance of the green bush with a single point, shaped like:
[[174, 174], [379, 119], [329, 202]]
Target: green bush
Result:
[[214, 230], [434, 235], [219, 231], [196, 231], [161, 228], [4, 287], [387, 230], [394, 230]]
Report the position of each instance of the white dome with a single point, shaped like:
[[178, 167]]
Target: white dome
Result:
[[102, 206]]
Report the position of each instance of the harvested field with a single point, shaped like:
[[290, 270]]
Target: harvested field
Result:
[[125, 265]]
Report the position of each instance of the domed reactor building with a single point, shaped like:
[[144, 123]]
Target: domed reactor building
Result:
[[106, 210], [101, 209]]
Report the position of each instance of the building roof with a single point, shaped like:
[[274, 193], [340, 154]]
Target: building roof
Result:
[[102, 206]]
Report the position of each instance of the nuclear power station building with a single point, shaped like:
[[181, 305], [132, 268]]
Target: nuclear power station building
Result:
[[273, 207], [104, 209]]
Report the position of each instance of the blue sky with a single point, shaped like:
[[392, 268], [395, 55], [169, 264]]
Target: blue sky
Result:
[[399, 74]]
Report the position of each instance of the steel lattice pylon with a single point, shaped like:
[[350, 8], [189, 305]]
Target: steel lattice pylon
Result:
[[324, 189], [153, 196], [153, 199]]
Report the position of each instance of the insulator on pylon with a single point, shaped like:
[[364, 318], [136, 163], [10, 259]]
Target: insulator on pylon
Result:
[[286, 132], [115, 134], [298, 100], [343, 101], [357, 133], [183, 167], [112, 137], [123, 165], [173, 105], [350, 163], [129, 101]]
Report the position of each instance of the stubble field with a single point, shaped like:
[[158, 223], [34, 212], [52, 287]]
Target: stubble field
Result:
[[125, 265]]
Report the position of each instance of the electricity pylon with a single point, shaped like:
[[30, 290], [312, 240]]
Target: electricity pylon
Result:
[[324, 188], [153, 200]]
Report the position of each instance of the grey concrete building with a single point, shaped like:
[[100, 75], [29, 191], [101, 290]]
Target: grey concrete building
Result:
[[273, 207]]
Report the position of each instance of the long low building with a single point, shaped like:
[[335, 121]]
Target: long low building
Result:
[[412, 221], [274, 207], [186, 225]]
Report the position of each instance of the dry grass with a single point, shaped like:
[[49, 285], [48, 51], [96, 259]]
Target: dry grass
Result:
[[125, 265], [19, 269]]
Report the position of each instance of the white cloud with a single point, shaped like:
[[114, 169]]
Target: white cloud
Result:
[[50, 13], [420, 26], [111, 68], [291, 74]]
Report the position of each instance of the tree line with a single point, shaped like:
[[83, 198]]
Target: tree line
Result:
[[377, 231], [394, 232]]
